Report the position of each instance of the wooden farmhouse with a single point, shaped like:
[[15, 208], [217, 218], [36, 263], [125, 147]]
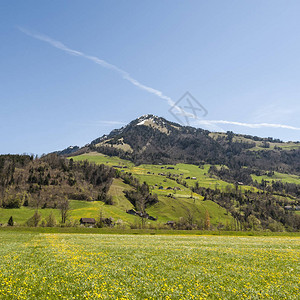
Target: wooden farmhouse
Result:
[[88, 221]]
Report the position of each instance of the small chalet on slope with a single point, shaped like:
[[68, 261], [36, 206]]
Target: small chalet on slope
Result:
[[88, 221]]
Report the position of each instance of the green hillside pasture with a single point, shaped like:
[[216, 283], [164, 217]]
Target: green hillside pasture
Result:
[[94, 266], [259, 144], [202, 176], [188, 170], [116, 191], [165, 182], [79, 209], [83, 209], [168, 208], [21, 215], [141, 172], [99, 158], [172, 209], [289, 178], [284, 146]]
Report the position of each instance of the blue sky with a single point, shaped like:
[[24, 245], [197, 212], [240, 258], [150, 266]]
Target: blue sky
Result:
[[239, 59]]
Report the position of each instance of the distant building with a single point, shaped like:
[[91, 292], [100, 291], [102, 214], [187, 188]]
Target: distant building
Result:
[[171, 224], [87, 221], [131, 212]]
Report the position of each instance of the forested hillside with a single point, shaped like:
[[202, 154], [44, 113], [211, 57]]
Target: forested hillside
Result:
[[49, 181], [150, 139]]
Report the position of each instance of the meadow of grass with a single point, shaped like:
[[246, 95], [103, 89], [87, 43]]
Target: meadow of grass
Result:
[[99, 158], [289, 178], [141, 171], [21, 215], [184, 203], [68, 266], [78, 209], [149, 173], [168, 209], [284, 146]]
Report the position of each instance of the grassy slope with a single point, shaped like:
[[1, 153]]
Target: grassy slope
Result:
[[92, 210], [167, 208], [289, 178], [284, 146], [172, 209], [21, 215], [119, 199], [187, 170], [80, 209], [259, 144], [99, 158]]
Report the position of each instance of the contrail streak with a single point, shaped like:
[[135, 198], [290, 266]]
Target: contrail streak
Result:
[[125, 75]]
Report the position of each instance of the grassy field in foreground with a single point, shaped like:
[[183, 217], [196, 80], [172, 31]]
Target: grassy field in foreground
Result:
[[68, 266]]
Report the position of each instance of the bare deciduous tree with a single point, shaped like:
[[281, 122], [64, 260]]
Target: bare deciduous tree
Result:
[[64, 206]]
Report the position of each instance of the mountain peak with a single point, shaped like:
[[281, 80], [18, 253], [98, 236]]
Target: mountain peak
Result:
[[153, 139], [155, 123], [147, 119]]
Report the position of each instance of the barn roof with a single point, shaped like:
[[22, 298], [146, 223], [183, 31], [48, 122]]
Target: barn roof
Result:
[[88, 220]]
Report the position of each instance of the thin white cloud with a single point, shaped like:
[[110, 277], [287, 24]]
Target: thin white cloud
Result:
[[249, 125]]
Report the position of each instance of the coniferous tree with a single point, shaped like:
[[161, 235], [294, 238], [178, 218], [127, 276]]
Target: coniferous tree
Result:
[[10, 221]]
